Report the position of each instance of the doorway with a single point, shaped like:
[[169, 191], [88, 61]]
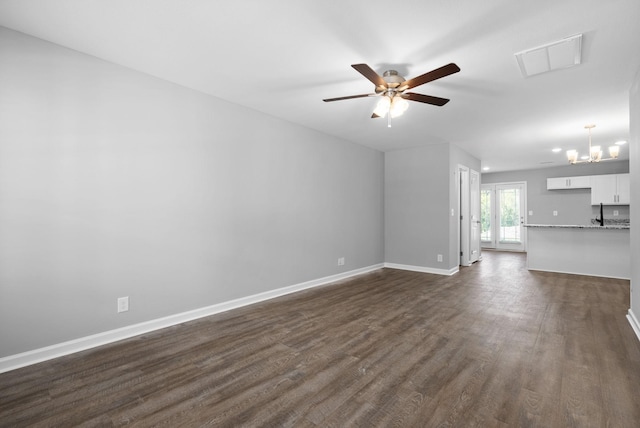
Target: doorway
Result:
[[503, 214]]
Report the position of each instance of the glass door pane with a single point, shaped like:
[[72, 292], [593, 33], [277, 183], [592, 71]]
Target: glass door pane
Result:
[[510, 207], [509, 215], [486, 203]]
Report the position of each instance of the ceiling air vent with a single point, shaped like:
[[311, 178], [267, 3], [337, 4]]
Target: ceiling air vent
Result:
[[553, 56]]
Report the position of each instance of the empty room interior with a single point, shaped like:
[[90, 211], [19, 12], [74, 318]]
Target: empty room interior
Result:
[[314, 214]]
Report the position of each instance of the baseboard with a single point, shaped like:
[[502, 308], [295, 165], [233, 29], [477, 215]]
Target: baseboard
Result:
[[578, 273], [13, 362], [635, 325], [422, 269]]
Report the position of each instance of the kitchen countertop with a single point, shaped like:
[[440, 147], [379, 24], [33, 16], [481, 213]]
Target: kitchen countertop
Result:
[[582, 226]]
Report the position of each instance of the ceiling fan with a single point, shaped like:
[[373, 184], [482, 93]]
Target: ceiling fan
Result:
[[391, 87]]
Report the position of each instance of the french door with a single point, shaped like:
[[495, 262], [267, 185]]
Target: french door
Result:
[[503, 214]]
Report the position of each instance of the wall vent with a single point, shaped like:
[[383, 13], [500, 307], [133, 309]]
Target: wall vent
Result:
[[553, 56]]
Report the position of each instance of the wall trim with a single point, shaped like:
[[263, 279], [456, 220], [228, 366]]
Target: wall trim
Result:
[[423, 269], [634, 322], [23, 359]]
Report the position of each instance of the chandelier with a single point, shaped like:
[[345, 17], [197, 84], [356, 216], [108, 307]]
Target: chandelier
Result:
[[595, 154]]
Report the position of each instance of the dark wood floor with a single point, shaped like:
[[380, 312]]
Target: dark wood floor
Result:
[[494, 345]]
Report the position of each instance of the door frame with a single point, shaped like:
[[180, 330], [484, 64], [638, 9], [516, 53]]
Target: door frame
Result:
[[494, 244], [463, 183]]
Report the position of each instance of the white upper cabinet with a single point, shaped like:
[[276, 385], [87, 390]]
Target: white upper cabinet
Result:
[[611, 189], [569, 183], [624, 189]]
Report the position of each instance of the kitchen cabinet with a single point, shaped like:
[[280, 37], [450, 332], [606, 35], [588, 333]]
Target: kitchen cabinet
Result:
[[611, 189], [557, 183]]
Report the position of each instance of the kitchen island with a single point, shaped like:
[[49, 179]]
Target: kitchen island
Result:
[[580, 249]]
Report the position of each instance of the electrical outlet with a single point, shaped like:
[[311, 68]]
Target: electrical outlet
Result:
[[530, 212], [440, 257], [341, 261], [616, 213], [123, 304], [555, 213]]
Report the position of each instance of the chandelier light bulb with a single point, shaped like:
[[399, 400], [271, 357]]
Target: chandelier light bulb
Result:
[[596, 154]]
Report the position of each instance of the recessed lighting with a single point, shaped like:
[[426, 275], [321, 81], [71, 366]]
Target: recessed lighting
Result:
[[486, 168], [556, 150], [585, 157], [621, 142]]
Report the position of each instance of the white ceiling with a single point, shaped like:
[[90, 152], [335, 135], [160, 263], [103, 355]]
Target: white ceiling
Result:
[[284, 56]]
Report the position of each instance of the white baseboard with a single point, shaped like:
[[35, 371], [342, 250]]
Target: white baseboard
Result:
[[635, 325], [422, 269], [578, 273], [13, 362]]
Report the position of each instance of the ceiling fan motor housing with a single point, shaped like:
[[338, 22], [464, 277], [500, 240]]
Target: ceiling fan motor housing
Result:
[[393, 80]]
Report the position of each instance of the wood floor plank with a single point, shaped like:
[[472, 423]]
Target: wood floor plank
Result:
[[494, 345]]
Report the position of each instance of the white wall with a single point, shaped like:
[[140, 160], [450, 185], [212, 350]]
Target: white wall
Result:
[[634, 170], [114, 183]]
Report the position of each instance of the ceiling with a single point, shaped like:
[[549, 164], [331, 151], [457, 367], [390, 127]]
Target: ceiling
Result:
[[284, 56]]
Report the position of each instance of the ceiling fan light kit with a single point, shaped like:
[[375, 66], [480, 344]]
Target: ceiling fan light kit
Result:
[[398, 106], [392, 88], [595, 154]]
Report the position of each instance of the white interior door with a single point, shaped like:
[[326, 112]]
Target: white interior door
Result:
[[469, 207], [464, 216], [474, 216]]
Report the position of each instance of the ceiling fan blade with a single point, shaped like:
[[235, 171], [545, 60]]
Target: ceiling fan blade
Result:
[[368, 72], [374, 116], [348, 97], [428, 99], [438, 73]]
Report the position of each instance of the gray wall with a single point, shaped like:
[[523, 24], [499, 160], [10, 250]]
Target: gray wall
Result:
[[114, 183], [634, 166], [573, 205], [416, 220], [420, 191]]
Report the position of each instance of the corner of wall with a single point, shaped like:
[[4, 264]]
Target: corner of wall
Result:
[[634, 172]]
